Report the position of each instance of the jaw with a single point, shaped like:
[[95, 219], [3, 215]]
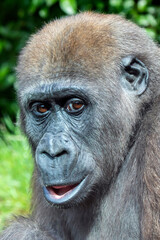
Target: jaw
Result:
[[64, 195]]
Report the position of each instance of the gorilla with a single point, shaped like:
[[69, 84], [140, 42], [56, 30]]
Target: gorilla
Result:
[[89, 95]]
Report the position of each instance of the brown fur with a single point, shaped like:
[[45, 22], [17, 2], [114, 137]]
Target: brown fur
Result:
[[151, 178]]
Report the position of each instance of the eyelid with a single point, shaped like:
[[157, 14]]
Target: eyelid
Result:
[[34, 105], [74, 100]]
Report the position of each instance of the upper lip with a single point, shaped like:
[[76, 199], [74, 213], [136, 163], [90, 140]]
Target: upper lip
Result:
[[63, 183]]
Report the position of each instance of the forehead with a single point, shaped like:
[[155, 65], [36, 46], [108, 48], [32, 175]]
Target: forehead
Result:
[[70, 46]]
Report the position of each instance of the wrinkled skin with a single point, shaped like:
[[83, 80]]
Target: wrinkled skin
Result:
[[89, 91]]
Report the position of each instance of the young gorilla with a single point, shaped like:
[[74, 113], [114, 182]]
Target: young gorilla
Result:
[[89, 93]]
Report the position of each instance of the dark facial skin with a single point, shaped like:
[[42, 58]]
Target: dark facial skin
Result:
[[58, 118], [59, 122]]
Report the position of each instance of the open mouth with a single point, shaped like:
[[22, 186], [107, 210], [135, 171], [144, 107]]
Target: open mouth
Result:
[[58, 192], [64, 194]]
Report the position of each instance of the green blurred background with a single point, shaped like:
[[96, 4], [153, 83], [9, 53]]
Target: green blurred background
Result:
[[19, 19]]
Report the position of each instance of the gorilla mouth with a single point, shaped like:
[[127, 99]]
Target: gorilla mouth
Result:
[[64, 194], [58, 192]]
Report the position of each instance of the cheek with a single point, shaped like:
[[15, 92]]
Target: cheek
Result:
[[86, 159], [79, 124], [34, 131], [100, 141]]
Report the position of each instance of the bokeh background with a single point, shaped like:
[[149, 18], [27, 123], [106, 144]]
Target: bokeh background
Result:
[[19, 19]]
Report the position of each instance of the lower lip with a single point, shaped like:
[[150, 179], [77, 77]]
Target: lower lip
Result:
[[64, 198]]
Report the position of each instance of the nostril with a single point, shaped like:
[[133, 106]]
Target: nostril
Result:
[[61, 153], [45, 154], [55, 154]]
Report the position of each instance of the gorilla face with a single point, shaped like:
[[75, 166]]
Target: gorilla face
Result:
[[58, 122], [74, 137]]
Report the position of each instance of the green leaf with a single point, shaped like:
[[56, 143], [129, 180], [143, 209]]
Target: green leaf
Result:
[[115, 3], [128, 4], [68, 6], [4, 70], [43, 13], [50, 2], [37, 3], [146, 20], [151, 33], [142, 5]]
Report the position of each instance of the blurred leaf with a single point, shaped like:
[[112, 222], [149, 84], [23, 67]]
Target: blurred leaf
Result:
[[35, 4], [127, 4], [50, 2], [9, 124], [115, 3], [43, 13], [68, 6], [4, 70], [151, 32], [151, 10], [15, 171], [142, 5], [147, 20], [100, 5], [5, 45]]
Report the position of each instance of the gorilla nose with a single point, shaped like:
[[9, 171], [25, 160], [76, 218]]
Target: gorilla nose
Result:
[[56, 157], [57, 146]]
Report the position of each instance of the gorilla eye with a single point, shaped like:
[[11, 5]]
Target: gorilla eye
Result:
[[40, 108], [74, 106]]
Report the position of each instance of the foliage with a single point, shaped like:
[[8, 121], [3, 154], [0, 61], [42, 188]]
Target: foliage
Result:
[[15, 174], [20, 18]]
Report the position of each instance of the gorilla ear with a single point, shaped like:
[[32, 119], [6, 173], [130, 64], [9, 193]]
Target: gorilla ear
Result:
[[135, 75]]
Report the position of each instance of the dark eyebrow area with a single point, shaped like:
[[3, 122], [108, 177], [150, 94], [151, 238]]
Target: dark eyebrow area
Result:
[[53, 91]]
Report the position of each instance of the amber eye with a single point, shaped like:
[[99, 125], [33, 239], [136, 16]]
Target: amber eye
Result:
[[42, 108], [75, 106], [39, 108]]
